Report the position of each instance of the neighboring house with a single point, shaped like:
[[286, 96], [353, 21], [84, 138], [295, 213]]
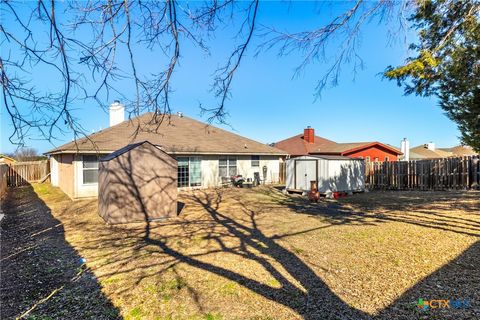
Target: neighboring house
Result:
[[460, 151], [430, 151], [205, 154], [6, 159], [309, 144]]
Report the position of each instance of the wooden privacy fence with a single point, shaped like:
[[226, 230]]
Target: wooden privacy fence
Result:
[[22, 173], [3, 179], [282, 172], [434, 174]]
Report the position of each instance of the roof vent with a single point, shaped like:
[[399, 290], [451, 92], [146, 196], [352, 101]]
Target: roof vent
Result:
[[429, 146]]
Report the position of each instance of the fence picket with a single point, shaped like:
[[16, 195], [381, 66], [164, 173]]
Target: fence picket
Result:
[[22, 173], [434, 174]]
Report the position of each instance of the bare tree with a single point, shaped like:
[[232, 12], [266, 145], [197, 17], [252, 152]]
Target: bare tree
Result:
[[92, 47], [27, 154]]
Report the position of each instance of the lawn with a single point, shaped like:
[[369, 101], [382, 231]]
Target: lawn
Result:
[[260, 254]]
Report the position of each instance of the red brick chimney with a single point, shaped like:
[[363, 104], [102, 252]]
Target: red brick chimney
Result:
[[309, 135]]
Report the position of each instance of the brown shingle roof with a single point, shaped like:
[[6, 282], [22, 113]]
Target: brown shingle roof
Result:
[[420, 152], [460, 151], [176, 134]]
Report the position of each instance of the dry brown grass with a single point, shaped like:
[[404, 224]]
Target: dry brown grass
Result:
[[259, 254]]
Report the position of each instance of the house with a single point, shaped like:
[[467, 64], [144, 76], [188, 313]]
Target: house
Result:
[[430, 151], [206, 155], [6, 159], [310, 144], [461, 151]]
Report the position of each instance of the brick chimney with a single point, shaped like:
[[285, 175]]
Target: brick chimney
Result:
[[309, 135]]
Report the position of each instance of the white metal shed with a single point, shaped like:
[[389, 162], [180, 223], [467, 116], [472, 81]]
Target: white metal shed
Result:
[[332, 173]]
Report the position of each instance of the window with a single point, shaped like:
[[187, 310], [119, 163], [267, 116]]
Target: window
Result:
[[183, 172], [255, 161], [227, 167], [189, 172], [90, 169], [195, 172]]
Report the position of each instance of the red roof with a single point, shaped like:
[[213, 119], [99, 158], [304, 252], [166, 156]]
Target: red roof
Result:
[[297, 146]]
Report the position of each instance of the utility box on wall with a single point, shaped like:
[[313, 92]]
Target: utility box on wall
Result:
[[137, 183]]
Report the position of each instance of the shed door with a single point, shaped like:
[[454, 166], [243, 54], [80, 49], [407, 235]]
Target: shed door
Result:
[[306, 171]]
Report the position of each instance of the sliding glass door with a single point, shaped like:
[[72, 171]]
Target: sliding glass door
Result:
[[189, 171]]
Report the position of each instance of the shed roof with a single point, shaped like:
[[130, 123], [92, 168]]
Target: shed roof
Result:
[[125, 149], [7, 158], [175, 134]]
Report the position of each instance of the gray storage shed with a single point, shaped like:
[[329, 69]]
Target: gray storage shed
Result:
[[137, 183], [332, 173]]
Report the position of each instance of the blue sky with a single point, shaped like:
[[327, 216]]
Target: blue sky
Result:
[[268, 104]]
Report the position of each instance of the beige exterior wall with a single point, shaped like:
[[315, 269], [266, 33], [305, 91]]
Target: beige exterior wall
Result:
[[83, 190], [66, 174], [70, 175], [211, 178]]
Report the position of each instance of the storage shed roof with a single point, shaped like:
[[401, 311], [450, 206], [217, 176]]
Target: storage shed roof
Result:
[[123, 150]]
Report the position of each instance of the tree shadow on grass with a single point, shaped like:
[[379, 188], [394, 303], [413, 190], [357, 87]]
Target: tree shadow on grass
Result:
[[231, 228], [426, 209], [42, 274], [457, 280], [312, 300]]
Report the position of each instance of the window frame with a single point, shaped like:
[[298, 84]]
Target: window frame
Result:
[[188, 172], [228, 166], [84, 161], [255, 163]]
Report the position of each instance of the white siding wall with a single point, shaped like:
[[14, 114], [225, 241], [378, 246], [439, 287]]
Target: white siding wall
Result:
[[333, 175], [54, 171]]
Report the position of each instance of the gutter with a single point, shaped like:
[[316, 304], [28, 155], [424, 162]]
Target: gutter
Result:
[[168, 152]]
